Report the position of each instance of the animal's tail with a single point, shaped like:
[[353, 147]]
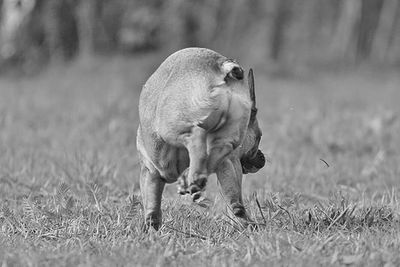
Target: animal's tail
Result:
[[232, 70]]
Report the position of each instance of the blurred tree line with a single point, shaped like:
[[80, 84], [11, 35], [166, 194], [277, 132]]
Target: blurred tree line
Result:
[[34, 33]]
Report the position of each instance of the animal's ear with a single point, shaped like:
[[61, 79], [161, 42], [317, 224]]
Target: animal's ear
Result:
[[232, 70], [250, 79]]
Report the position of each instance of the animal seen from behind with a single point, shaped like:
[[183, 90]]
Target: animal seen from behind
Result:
[[197, 117]]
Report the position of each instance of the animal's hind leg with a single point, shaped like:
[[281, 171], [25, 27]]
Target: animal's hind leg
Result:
[[151, 187], [217, 154], [230, 175], [196, 176]]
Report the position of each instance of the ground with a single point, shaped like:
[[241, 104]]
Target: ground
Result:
[[328, 195]]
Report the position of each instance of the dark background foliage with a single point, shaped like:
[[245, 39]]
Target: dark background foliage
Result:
[[288, 32]]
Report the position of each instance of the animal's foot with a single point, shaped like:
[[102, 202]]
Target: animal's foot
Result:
[[242, 217], [152, 220], [197, 187]]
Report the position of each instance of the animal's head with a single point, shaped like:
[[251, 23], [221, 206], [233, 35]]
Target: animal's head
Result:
[[252, 158]]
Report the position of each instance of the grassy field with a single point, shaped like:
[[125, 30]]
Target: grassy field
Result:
[[69, 191]]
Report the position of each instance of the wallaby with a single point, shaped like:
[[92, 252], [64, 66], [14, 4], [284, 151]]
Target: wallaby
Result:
[[197, 117]]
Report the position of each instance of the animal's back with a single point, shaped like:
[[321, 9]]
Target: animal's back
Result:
[[178, 92], [191, 88]]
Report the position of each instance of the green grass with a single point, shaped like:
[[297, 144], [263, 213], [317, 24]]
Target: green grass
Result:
[[69, 192]]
